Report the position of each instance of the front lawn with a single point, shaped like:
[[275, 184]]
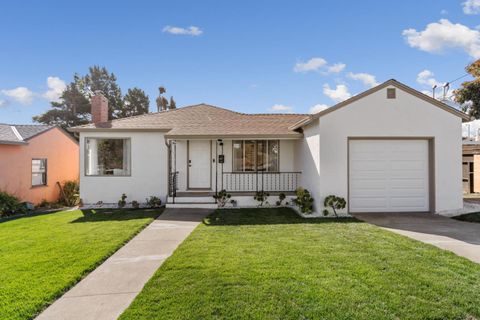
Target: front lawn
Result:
[[43, 255], [469, 217], [272, 264]]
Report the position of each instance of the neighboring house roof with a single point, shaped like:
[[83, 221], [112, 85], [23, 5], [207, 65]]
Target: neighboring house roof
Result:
[[205, 121], [470, 147], [21, 133], [391, 82]]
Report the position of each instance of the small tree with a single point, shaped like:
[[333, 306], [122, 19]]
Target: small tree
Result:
[[222, 198], [334, 202], [261, 197]]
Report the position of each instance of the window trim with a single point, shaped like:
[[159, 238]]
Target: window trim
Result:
[[256, 155], [46, 173], [85, 157]]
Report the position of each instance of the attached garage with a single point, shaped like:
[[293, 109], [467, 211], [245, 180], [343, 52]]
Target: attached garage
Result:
[[388, 149], [389, 175]]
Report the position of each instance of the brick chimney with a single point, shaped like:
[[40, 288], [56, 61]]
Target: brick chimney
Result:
[[99, 107]]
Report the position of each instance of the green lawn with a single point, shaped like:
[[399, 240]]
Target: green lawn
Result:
[[43, 255], [470, 217], [271, 264]]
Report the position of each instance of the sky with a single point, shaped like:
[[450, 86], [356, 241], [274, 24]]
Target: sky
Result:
[[248, 56]]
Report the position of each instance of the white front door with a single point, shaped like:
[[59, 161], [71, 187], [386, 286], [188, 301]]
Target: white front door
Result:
[[199, 164], [389, 176]]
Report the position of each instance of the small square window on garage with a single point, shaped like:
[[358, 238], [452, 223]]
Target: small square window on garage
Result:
[[39, 172]]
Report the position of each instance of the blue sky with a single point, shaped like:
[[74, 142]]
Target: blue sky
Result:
[[250, 56]]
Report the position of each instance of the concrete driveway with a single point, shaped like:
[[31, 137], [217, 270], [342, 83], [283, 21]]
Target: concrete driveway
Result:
[[462, 238]]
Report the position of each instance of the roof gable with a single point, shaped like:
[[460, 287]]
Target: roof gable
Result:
[[391, 82]]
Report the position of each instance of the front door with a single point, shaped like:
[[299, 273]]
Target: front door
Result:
[[199, 164]]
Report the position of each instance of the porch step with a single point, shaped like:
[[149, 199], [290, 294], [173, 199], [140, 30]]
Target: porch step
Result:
[[181, 199], [196, 205]]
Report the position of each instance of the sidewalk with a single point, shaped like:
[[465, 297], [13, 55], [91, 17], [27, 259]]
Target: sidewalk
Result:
[[108, 290]]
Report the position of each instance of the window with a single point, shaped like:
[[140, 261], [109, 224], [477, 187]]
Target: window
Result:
[[255, 155], [391, 93], [39, 172], [107, 157]]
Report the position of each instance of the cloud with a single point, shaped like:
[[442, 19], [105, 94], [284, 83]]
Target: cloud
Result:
[[3, 103], [426, 77], [471, 7], [190, 31], [313, 64], [366, 78], [280, 108], [336, 68], [318, 108], [444, 12], [56, 86], [442, 35], [20, 94], [338, 94]]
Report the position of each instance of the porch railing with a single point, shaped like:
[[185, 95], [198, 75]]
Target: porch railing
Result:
[[172, 184], [258, 181]]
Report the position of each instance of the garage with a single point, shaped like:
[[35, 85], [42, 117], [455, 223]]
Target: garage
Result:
[[389, 175]]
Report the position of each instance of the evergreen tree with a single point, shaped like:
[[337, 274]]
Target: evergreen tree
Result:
[[135, 102], [74, 106]]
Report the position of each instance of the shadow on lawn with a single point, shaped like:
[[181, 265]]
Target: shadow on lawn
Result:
[[265, 216], [99, 215]]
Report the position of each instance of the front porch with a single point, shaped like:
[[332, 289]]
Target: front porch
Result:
[[198, 169]]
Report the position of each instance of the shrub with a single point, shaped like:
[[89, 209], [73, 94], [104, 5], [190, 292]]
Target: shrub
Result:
[[122, 202], [281, 198], [334, 202], [69, 193], [261, 197], [135, 204], [10, 205], [153, 202], [304, 200], [222, 198]]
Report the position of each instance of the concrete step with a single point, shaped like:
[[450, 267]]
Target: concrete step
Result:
[[192, 205], [191, 200]]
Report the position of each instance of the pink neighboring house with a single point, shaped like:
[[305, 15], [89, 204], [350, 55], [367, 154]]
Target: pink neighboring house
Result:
[[33, 158]]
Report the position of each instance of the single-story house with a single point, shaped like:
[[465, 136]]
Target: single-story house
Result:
[[388, 149], [33, 158]]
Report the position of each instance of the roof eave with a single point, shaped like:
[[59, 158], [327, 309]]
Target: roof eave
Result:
[[77, 129], [21, 143], [292, 136]]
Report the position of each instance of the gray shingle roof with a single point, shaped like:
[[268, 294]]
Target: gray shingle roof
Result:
[[22, 134], [205, 120]]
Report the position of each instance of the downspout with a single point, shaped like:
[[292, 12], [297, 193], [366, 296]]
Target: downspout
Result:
[[169, 167]]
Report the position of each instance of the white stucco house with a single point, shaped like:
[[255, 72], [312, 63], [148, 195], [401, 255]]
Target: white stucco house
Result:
[[388, 149]]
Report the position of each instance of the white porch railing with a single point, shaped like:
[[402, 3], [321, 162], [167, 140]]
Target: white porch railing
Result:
[[258, 181]]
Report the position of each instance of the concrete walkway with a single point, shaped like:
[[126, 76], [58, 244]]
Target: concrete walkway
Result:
[[107, 291], [462, 238]]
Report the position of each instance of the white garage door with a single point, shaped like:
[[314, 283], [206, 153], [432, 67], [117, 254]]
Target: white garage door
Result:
[[388, 175]]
